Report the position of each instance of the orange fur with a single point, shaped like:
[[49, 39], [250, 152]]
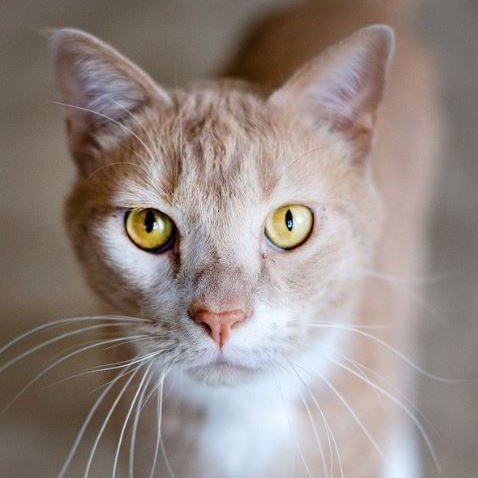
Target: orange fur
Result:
[[218, 157]]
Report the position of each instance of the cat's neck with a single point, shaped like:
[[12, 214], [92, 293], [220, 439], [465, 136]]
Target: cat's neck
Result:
[[258, 418]]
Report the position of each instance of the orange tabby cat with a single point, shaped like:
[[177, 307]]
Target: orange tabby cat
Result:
[[242, 228]]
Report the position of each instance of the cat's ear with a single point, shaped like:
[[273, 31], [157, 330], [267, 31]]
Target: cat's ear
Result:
[[343, 86], [99, 88]]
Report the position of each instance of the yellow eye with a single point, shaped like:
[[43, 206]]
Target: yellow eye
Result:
[[289, 226], [150, 229]]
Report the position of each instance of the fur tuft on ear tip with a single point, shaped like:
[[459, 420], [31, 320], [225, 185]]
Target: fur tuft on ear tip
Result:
[[64, 41], [57, 36], [382, 36]]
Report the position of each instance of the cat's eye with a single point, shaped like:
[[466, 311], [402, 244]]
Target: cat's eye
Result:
[[150, 229], [290, 226]]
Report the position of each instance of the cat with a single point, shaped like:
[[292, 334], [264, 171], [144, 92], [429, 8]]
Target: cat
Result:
[[245, 229]]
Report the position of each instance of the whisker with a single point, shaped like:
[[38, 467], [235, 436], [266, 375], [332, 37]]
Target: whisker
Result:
[[86, 422], [125, 423], [393, 350], [291, 163], [419, 301], [141, 359], [134, 429], [53, 340], [68, 321], [356, 326], [119, 163], [316, 434], [117, 123], [405, 409], [163, 450], [359, 365], [428, 279], [138, 339], [134, 117], [106, 420], [330, 434], [93, 370], [292, 432], [352, 413], [53, 365], [159, 416]]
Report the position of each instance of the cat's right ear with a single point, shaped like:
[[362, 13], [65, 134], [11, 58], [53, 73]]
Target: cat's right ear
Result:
[[343, 87], [99, 88]]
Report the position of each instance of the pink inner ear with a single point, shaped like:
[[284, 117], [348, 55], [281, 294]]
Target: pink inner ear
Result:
[[98, 86], [338, 91], [344, 85]]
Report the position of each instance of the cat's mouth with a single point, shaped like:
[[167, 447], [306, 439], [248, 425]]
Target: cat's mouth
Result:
[[221, 372]]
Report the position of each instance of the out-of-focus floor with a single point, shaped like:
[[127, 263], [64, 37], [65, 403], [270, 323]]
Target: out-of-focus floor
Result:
[[177, 41]]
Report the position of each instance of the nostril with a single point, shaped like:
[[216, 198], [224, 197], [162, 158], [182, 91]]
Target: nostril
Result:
[[218, 325], [206, 327]]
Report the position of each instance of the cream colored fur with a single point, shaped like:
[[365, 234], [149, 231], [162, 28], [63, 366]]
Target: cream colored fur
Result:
[[218, 157]]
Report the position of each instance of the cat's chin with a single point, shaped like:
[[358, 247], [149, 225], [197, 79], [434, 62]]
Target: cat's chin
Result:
[[221, 373]]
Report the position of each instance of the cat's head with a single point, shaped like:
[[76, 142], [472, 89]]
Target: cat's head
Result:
[[234, 221]]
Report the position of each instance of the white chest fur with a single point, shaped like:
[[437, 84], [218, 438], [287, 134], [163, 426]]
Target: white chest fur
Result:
[[243, 428]]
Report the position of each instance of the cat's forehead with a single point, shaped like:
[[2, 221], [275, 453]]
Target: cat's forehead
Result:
[[220, 146], [220, 140], [228, 135]]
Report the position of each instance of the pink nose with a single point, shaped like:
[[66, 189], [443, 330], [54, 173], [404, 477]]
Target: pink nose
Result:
[[218, 324]]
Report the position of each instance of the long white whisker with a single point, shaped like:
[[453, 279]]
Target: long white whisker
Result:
[[106, 420], [437, 277], [159, 415], [400, 286], [316, 434], [125, 163], [118, 123], [140, 360], [55, 364], [108, 367], [356, 326], [125, 128], [54, 340], [292, 432], [138, 339], [69, 321], [86, 422], [163, 446], [291, 163], [134, 118], [314, 428], [330, 434], [134, 428], [391, 349], [364, 368], [125, 423], [352, 413], [402, 407]]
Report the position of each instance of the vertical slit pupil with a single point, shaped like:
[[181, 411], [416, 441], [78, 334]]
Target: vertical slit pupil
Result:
[[289, 220], [149, 221]]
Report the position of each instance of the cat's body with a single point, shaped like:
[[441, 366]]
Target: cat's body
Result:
[[280, 399]]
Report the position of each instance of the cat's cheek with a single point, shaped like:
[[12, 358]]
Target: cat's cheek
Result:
[[139, 268]]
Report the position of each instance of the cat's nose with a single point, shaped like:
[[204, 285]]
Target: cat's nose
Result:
[[218, 324]]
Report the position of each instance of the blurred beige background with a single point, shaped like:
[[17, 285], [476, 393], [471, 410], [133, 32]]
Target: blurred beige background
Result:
[[176, 41]]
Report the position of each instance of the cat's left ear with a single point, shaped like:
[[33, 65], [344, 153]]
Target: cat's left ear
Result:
[[100, 89], [342, 87]]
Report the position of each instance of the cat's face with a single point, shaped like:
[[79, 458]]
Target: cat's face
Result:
[[213, 163]]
